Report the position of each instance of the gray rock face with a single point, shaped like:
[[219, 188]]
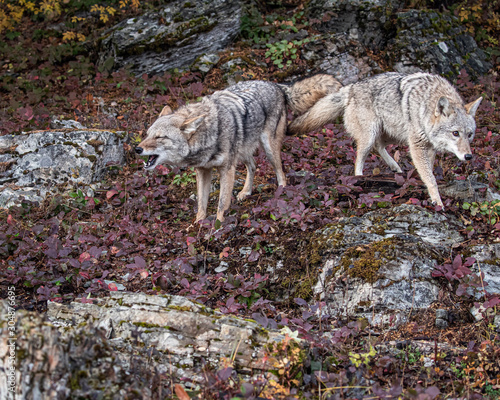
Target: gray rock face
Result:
[[339, 56], [181, 329], [34, 164], [434, 42], [488, 262], [172, 37], [135, 336], [379, 266], [406, 41]]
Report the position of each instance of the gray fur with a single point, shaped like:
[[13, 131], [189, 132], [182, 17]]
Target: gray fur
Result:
[[420, 110], [219, 132]]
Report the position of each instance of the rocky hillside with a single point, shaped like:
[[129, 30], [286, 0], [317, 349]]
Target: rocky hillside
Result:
[[333, 287]]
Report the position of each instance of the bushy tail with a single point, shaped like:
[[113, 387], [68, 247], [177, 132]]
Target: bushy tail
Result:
[[325, 111], [302, 95]]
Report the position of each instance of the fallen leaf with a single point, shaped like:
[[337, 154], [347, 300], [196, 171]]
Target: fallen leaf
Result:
[[180, 392]]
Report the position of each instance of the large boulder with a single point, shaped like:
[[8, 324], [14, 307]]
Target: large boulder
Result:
[[122, 344], [35, 164], [359, 36], [379, 266], [173, 36]]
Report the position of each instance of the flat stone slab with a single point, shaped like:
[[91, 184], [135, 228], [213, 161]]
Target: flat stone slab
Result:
[[34, 164]]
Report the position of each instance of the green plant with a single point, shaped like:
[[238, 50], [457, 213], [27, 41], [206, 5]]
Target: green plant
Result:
[[81, 200], [362, 358], [491, 210], [411, 355], [185, 178], [252, 27], [283, 52]]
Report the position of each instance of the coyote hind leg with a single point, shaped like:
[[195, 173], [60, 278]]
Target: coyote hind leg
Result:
[[271, 140], [393, 165], [247, 189]]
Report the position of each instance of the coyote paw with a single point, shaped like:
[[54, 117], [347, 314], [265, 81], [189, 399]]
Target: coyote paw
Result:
[[436, 203], [243, 195]]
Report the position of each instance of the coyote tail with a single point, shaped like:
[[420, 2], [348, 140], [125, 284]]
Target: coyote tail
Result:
[[325, 111], [303, 94]]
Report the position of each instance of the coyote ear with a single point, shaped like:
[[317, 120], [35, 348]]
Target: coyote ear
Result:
[[166, 110], [443, 107], [471, 108], [191, 125]]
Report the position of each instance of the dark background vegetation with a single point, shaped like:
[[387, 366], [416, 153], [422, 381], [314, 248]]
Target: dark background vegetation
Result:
[[137, 231]]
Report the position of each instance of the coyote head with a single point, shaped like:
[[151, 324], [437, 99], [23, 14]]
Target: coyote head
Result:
[[454, 127], [167, 140]]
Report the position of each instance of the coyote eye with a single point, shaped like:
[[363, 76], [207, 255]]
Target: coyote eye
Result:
[[456, 133], [471, 134]]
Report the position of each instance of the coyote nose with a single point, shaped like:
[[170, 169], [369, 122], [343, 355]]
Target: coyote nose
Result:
[[468, 157], [139, 150]]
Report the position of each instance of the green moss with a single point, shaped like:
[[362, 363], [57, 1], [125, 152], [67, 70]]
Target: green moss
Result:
[[74, 382], [180, 308], [379, 229], [365, 261], [95, 143], [301, 286], [146, 325]]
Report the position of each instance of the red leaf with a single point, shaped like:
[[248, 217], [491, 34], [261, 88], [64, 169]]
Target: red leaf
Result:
[[112, 286], [254, 256], [457, 262], [400, 180], [111, 193], [139, 262], [84, 257]]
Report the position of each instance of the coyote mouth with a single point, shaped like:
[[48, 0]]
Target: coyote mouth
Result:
[[151, 161]]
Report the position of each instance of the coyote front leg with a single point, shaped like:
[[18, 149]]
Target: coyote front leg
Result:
[[203, 180], [422, 158], [226, 189]]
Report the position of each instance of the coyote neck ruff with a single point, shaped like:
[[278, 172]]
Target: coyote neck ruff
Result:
[[420, 110]]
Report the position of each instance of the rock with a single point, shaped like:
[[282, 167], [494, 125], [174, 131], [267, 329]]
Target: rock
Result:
[[488, 263], [341, 57], [441, 319], [480, 312], [379, 266], [127, 338], [406, 40], [65, 124], [223, 266], [434, 42], [469, 190], [173, 36], [38, 163]]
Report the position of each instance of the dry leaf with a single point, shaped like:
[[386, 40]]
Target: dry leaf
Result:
[[181, 393]]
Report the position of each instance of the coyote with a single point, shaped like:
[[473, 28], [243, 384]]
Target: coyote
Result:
[[226, 128], [420, 110]]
